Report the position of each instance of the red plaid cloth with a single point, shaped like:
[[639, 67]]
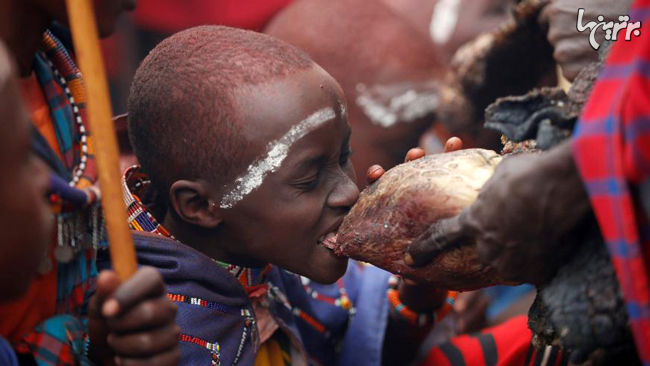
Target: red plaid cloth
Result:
[[612, 151]]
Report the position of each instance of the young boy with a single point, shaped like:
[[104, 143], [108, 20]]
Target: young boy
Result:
[[246, 141], [120, 320]]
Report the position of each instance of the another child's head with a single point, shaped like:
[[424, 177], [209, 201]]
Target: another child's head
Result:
[[25, 218], [248, 140], [389, 71]]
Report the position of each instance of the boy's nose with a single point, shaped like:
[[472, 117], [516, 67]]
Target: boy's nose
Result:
[[345, 194]]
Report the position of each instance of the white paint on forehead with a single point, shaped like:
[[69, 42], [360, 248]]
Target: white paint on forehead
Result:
[[387, 105], [276, 152], [444, 20]]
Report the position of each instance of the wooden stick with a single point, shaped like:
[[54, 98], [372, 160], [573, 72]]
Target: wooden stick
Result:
[[86, 40]]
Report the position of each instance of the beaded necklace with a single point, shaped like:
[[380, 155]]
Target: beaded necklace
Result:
[[78, 170], [74, 202], [343, 301]]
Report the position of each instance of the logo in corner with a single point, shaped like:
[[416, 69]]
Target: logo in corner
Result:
[[611, 28]]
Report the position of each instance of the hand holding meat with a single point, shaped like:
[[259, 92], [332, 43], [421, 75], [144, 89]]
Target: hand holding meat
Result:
[[404, 202], [518, 219]]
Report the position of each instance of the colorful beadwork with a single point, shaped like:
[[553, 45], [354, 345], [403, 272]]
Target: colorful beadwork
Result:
[[413, 317], [83, 159], [277, 295], [214, 348], [222, 308], [343, 301]]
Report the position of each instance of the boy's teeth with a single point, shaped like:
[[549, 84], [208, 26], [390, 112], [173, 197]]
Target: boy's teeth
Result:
[[329, 240]]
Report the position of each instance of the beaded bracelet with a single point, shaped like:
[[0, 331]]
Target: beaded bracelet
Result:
[[413, 317]]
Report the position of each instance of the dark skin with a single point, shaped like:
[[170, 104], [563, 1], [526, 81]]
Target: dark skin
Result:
[[303, 200], [32, 17], [130, 323], [25, 220], [571, 48], [516, 225], [372, 45], [307, 197]]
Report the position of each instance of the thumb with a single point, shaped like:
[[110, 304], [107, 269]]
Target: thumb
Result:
[[439, 237], [107, 283]]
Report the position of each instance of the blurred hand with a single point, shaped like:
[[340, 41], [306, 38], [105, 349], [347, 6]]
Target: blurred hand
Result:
[[133, 323], [572, 49], [518, 218]]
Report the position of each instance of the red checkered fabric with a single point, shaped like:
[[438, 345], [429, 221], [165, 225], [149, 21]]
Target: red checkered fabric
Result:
[[612, 151]]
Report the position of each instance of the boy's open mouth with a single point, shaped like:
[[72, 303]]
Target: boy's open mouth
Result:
[[328, 240]]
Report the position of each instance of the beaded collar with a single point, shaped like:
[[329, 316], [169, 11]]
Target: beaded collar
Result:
[[136, 184]]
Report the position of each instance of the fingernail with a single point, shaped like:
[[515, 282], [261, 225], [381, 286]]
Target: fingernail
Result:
[[110, 308], [408, 259]]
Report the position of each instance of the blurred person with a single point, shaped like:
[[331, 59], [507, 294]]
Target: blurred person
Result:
[[572, 50], [389, 72], [119, 321], [452, 23], [155, 20], [25, 220]]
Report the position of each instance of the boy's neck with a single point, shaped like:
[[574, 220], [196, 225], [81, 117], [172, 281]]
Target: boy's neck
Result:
[[23, 36], [206, 242]]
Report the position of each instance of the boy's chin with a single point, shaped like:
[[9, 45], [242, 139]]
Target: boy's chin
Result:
[[330, 273]]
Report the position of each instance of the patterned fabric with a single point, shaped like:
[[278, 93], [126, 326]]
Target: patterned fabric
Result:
[[612, 151], [55, 341], [139, 217], [259, 312], [7, 354], [59, 340], [64, 104], [508, 344], [75, 280]]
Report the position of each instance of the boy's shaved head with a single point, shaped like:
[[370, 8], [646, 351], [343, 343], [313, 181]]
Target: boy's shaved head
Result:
[[182, 109]]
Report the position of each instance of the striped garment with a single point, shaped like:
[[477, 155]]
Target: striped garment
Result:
[[507, 344], [50, 65], [59, 339], [612, 151]]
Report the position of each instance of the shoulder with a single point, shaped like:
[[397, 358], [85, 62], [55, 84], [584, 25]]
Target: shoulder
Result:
[[7, 354]]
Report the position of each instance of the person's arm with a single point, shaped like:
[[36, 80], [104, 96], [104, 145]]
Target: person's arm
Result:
[[520, 215], [404, 334]]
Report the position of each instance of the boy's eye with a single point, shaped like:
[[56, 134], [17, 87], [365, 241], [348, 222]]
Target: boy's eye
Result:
[[345, 156], [309, 183]]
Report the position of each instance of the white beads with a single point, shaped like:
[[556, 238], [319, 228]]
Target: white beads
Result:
[[78, 171]]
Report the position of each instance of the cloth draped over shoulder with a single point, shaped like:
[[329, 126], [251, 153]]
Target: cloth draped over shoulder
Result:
[[228, 313], [611, 148], [49, 320]]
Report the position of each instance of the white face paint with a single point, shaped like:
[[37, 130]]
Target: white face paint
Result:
[[444, 20], [276, 152], [386, 105]]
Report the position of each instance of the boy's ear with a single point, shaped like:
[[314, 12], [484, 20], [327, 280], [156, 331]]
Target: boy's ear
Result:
[[193, 204]]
